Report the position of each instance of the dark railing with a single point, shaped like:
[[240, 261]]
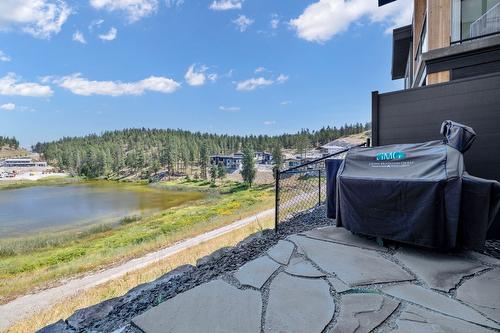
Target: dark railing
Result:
[[302, 187]]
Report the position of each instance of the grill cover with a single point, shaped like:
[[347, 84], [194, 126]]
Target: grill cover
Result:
[[417, 193]]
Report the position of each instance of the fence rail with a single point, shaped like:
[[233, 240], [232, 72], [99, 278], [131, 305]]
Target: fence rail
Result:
[[303, 187]]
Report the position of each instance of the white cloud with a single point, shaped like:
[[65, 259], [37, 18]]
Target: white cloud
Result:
[[253, 83], [282, 78], [226, 4], [324, 19], [135, 9], [8, 106], [229, 108], [260, 69], [95, 23], [110, 35], [81, 86], [10, 85], [79, 37], [40, 18], [194, 77], [243, 22], [275, 21], [285, 102], [269, 122], [4, 57], [213, 77]]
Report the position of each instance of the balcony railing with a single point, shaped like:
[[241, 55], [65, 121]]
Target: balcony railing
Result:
[[487, 24]]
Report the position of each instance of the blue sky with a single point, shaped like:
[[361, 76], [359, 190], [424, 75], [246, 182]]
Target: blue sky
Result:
[[227, 66]]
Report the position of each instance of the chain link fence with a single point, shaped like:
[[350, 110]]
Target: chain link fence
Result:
[[303, 187]]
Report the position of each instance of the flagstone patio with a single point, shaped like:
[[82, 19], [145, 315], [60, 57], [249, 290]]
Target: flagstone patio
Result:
[[329, 280]]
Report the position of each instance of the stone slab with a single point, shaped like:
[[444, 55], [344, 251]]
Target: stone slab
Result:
[[338, 285], [298, 305], [212, 307], [363, 312], [293, 238], [483, 293], [255, 273], [418, 320], [301, 267], [437, 302], [439, 271], [281, 252], [352, 265], [343, 236], [483, 258]]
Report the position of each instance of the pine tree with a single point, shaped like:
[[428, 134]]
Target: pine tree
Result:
[[248, 171]]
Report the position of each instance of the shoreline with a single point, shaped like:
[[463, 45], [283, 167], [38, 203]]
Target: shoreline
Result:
[[24, 306]]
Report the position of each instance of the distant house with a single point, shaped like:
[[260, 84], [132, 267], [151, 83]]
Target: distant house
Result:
[[263, 157], [22, 163], [231, 162]]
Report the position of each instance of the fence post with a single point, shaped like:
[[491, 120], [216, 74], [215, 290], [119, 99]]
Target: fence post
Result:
[[319, 187], [277, 200]]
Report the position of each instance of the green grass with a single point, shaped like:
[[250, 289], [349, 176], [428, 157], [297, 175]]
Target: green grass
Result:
[[40, 261], [48, 181]]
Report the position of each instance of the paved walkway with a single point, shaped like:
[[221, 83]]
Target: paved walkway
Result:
[[328, 280]]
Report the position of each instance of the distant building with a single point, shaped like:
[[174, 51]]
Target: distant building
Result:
[[235, 161], [231, 162], [263, 157], [22, 163]]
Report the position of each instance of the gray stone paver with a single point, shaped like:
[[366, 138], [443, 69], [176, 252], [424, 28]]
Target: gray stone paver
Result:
[[439, 271], [301, 267], [352, 265], [483, 293], [343, 236], [212, 307], [281, 252], [418, 320], [483, 258], [361, 313], [299, 299], [437, 302], [256, 272], [298, 305], [338, 285]]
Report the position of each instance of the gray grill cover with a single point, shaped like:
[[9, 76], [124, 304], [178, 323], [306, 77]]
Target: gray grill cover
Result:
[[413, 193]]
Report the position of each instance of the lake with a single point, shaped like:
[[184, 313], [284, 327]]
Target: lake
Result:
[[42, 208]]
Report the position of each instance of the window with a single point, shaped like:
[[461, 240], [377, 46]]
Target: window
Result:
[[475, 18]]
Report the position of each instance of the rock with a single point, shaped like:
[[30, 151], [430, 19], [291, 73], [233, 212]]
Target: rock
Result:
[[343, 236], [352, 265], [256, 272], [338, 285], [438, 270], [437, 302], [281, 252], [301, 267], [418, 320], [250, 239], [93, 313], [483, 293], [298, 305], [363, 312], [216, 255], [57, 327], [212, 307]]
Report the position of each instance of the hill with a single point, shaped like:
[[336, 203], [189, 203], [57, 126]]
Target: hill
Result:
[[143, 152]]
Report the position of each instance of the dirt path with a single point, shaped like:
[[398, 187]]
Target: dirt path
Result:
[[27, 305]]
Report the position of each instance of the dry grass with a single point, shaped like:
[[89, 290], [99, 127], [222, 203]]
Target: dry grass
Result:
[[118, 287]]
